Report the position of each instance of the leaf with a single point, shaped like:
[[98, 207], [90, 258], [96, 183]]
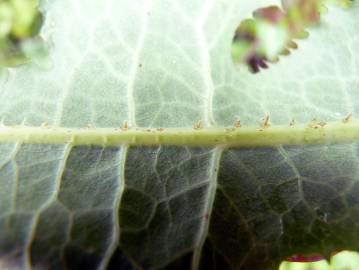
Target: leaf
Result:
[[98, 197]]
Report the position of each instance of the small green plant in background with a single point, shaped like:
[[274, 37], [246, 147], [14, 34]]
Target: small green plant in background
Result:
[[344, 260], [20, 22]]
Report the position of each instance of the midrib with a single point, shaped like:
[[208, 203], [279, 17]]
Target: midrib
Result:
[[330, 133]]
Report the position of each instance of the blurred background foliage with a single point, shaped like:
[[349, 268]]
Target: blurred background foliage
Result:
[[273, 30], [344, 260], [20, 23]]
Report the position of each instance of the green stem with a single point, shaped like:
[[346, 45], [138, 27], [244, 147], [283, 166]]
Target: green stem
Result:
[[228, 137]]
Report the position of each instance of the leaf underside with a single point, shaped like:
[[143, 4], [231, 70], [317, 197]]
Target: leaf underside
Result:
[[168, 64]]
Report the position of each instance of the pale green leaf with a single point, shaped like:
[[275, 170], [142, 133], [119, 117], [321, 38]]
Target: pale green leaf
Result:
[[101, 198]]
